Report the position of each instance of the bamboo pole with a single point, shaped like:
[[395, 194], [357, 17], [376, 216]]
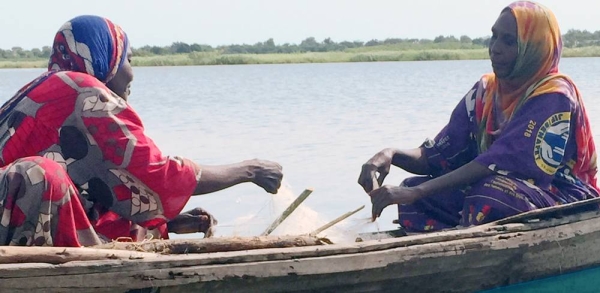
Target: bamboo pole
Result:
[[337, 220], [288, 211]]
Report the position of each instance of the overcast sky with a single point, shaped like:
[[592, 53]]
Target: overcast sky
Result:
[[32, 23]]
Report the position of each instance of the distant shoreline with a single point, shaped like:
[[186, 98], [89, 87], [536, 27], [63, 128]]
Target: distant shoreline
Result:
[[215, 58]]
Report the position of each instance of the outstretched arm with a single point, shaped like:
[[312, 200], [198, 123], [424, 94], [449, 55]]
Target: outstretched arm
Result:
[[265, 174]]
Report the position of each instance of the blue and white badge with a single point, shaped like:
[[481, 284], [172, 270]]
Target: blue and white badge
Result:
[[550, 142]]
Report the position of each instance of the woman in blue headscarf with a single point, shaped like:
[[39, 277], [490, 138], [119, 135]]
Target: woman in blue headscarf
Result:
[[78, 168]]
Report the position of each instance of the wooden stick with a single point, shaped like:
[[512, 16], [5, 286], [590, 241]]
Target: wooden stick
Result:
[[288, 211], [377, 181], [59, 255], [337, 220], [218, 244]]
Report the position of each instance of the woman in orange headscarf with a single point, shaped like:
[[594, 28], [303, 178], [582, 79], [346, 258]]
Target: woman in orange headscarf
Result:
[[519, 140]]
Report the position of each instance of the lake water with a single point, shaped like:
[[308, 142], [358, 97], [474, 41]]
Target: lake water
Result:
[[321, 122]]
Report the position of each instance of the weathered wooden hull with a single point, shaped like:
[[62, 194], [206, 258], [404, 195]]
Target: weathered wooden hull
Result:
[[507, 252]]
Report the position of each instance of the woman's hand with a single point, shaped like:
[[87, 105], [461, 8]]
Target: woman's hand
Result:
[[266, 174], [193, 221], [380, 163], [388, 195]]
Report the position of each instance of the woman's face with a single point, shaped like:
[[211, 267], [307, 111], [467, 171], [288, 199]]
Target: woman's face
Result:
[[120, 84], [504, 47]]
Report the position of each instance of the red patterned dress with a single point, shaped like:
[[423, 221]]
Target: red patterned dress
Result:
[[78, 168]]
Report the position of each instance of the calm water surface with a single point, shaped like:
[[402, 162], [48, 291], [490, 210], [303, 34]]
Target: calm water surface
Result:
[[320, 121]]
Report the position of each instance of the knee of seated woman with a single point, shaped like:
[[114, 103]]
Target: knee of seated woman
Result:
[[38, 169], [504, 196], [497, 183]]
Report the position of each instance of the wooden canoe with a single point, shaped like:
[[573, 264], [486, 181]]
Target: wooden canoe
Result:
[[530, 246]]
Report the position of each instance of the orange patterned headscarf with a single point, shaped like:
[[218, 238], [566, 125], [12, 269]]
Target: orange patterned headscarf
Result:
[[536, 69]]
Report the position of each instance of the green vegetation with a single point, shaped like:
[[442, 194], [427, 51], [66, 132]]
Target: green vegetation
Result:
[[23, 63], [577, 44], [213, 58], [591, 51]]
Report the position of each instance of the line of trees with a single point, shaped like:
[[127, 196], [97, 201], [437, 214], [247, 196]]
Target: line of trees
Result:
[[18, 52], [572, 39], [307, 45]]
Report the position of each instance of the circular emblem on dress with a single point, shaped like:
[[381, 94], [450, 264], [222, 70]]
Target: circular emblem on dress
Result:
[[550, 142]]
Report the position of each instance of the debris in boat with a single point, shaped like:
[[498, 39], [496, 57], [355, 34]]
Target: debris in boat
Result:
[[218, 244], [381, 235], [337, 220]]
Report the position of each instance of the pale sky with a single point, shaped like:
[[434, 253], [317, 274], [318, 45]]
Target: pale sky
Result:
[[33, 23]]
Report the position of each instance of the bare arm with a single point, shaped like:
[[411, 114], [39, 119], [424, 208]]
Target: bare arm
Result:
[[263, 173], [215, 178], [465, 175], [388, 194], [411, 160]]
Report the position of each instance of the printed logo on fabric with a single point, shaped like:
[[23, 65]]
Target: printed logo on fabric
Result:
[[550, 142]]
